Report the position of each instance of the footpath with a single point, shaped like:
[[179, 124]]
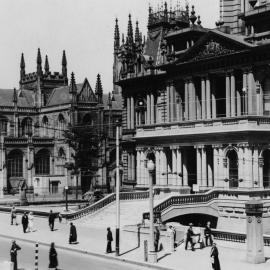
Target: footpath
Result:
[[93, 241]]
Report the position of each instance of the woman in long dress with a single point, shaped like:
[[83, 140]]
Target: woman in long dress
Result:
[[30, 222], [214, 257], [53, 257]]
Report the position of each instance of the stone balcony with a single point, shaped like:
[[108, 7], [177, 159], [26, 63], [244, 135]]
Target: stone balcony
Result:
[[235, 125]]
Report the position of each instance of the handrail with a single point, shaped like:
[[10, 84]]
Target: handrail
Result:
[[203, 198], [104, 202]]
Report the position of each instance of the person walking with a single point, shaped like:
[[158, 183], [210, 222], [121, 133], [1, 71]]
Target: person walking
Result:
[[25, 222], [189, 239], [208, 234], [109, 240], [72, 234], [51, 220], [156, 239], [30, 222], [13, 215], [13, 254], [214, 257], [53, 261]]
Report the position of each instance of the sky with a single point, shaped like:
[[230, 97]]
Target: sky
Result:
[[83, 28]]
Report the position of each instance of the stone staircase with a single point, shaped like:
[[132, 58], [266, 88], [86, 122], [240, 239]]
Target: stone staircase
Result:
[[130, 214]]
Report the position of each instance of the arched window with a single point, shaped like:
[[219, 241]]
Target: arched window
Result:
[[27, 126], [61, 125], [15, 164], [42, 162], [61, 161], [3, 125], [45, 126]]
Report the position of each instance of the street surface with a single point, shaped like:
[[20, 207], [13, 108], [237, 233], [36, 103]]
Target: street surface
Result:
[[67, 260]]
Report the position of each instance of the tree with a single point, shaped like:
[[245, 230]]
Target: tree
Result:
[[84, 141]]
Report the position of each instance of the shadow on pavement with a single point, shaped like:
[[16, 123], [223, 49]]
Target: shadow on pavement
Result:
[[165, 255]]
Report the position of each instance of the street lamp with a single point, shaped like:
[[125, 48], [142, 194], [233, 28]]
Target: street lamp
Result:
[[66, 191], [152, 255]]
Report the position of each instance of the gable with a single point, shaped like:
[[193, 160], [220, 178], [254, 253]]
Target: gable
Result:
[[86, 94], [214, 44]]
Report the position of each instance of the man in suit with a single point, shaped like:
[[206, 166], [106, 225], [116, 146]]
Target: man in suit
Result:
[[109, 241], [208, 234], [25, 222], [189, 239]]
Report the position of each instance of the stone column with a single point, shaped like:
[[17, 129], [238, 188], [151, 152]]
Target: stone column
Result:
[[129, 165], [203, 95], [204, 168], [191, 101], [168, 104], [138, 166], [186, 100], [232, 95], [251, 93], [238, 100], [199, 166], [261, 163], [128, 113], [179, 167], [228, 98], [148, 109], [144, 173], [158, 170], [255, 167], [245, 91], [172, 102], [152, 111], [216, 166], [213, 97], [208, 98], [209, 172], [198, 106], [248, 168], [185, 171], [259, 99], [133, 167], [163, 166], [174, 167], [132, 112], [241, 161]]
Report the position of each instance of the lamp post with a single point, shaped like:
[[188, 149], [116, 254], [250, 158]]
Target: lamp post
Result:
[[117, 234], [152, 255], [66, 191]]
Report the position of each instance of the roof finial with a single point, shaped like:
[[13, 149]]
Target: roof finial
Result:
[[22, 66], [64, 64], [130, 30], [192, 17], [116, 36], [39, 62], [15, 96], [46, 66], [109, 103], [99, 89], [137, 33], [199, 22], [73, 86]]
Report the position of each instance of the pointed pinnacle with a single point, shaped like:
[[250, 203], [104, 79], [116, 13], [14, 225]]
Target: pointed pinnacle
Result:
[[64, 59], [22, 65]]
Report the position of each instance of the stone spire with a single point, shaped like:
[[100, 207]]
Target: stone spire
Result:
[[39, 62], [22, 66], [46, 66], [99, 89], [149, 15], [64, 64], [137, 33], [72, 86], [130, 30], [116, 36]]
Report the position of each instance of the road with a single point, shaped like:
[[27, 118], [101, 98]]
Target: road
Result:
[[68, 260]]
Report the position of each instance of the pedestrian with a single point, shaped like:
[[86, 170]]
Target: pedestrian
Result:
[[72, 234], [214, 257], [25, 222], [13, 254], [60, 217], [156, 239], [171, 233], [109, 240], [13, 215], [53, 261], [30, 222], [51, 220], [208, 234], [189, 239]]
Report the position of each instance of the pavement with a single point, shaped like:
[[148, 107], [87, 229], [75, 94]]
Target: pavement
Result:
[[93, 241]]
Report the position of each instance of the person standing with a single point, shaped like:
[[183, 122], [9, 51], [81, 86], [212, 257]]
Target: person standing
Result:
[[13, 254], [25, 222], [109, 240], [189, 239], [30, 222], [53, 261], [156, 239], [51, 220], [13, 215], [214, 257], [72, 234], [208, 234]]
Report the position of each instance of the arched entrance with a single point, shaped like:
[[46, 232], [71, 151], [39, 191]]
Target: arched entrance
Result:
[[266, 168], [151, 156], [14, 169], [233, 168]]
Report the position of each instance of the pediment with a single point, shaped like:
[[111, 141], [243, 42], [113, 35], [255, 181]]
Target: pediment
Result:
[[86, 94], [214, 45]]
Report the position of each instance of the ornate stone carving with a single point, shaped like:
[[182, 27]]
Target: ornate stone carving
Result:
[[261, 163], [225, 162]]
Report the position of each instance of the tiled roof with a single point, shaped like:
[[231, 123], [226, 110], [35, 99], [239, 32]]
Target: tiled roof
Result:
[[58, 96], [25, 98], [116, 105]]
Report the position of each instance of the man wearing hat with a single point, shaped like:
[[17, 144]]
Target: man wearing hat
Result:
[[13, 254], [189, 239], [24, 222]]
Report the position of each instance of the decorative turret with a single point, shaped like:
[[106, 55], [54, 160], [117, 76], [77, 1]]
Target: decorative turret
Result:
[[39, 62], [46, 66], [116, 36], [22, 66], [137, 33], [73, 88], [129, 31], [192, 16], [99, 90], [64, 64]]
